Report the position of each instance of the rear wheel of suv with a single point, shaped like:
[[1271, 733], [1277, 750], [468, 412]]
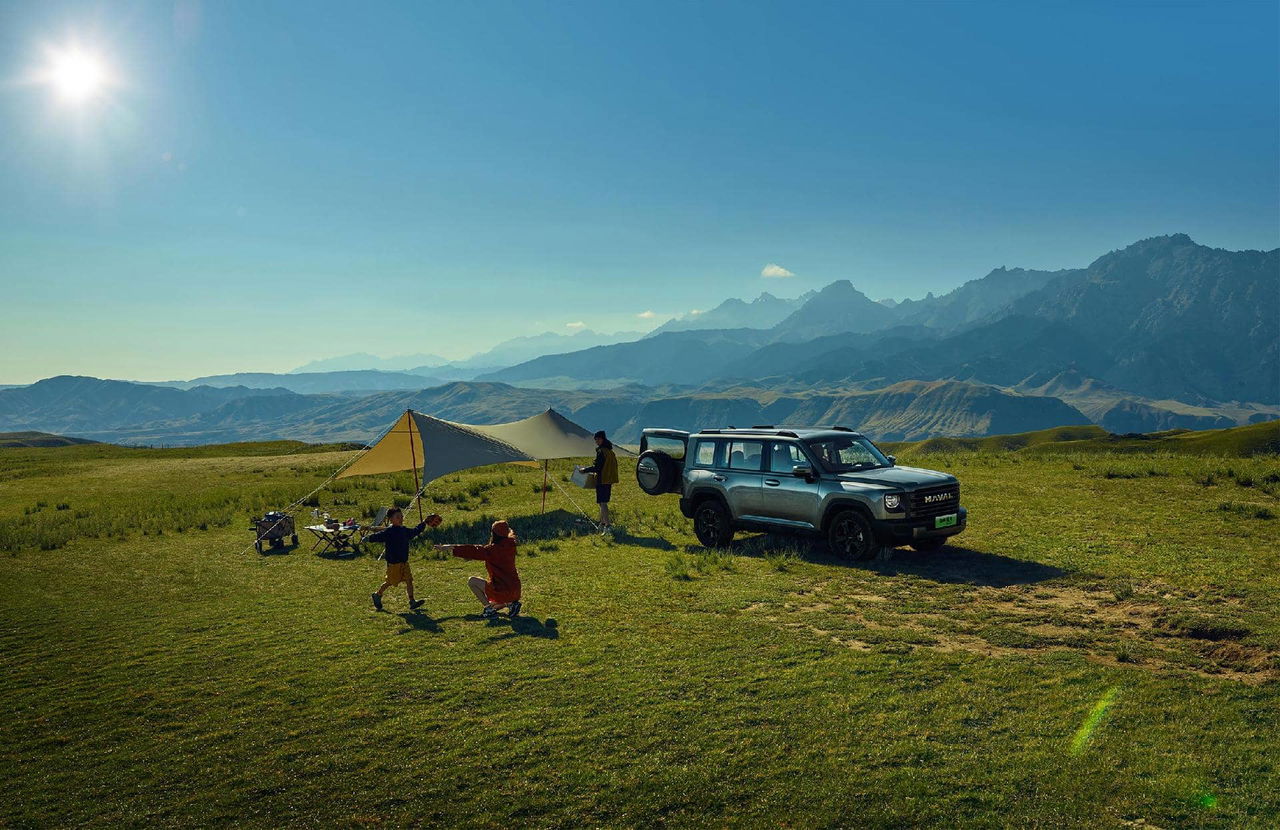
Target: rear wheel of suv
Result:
[[849, 536], [657, 472], [711, 524], [929, 545]]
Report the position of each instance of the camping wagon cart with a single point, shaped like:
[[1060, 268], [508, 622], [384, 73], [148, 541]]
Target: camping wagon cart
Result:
[[272, 529]]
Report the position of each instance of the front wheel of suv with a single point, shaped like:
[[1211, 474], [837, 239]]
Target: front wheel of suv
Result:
[[849, 536], [711, 524]]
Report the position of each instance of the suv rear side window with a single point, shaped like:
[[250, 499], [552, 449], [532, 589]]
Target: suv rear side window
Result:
[[784, 457], [745, 455], [705, 454]]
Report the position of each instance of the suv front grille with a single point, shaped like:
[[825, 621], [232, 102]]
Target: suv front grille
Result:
[[935, 501]]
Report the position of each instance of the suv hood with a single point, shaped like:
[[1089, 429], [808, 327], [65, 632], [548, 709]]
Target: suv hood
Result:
[[906, 478]]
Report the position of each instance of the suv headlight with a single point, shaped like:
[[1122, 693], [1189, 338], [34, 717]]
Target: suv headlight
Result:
[[893, 501]]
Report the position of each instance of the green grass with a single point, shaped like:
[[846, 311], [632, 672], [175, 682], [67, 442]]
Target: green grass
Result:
[[1100, 647]]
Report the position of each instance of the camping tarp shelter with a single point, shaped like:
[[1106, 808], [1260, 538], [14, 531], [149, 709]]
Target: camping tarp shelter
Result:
[[438, 447]]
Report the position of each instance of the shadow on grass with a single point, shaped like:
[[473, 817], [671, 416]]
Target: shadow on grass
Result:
[[963, 566], [418, 621], [522, 627], [341, 555], [623, 537], [953, 564], [280, 551], [537, 527]]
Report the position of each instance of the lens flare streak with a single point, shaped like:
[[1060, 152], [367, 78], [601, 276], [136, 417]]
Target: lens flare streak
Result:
[[1080, 742]]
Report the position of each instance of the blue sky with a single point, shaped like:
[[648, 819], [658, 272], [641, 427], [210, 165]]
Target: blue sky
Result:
[[265, 183]]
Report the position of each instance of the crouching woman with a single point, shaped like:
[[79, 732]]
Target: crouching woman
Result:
[[502, 588]]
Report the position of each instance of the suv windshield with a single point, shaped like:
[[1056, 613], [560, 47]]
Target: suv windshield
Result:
[[845, 455]]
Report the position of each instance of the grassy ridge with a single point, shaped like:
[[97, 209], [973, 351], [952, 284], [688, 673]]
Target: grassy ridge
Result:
[[170, 678], [1255, 439]]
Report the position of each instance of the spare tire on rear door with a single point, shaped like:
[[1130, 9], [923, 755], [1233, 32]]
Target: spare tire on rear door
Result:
[[657, 473]]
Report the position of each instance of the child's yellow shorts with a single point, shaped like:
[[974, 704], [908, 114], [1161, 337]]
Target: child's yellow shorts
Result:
[[398, 572]]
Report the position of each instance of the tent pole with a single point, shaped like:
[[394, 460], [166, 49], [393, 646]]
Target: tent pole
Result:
[[545, 462], [414, 456]]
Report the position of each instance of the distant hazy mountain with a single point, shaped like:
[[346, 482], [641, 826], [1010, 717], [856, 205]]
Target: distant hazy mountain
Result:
[[314, 382], [837, 309], [976, 299], [902, 411], [81, 405], [673, 357], [764, 312], [894, 413], [363, 360], [522, 349]]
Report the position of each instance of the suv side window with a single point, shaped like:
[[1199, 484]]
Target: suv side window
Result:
[[705, 453], [745, 455], [785, 456]]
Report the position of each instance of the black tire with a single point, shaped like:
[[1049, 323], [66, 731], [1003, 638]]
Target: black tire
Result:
[[657, 473], [929, 545], [258, 546], [712, 524], [849, 536]]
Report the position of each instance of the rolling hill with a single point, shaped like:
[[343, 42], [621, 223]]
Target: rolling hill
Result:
[[39, 439]]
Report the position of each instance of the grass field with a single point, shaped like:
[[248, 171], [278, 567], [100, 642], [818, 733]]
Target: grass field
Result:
[[1101, 648]]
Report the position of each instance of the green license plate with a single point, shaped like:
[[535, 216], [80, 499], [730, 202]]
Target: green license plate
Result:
[[945, 521]]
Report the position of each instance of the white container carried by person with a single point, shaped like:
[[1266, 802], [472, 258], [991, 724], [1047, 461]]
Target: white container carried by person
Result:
[[587, 481]]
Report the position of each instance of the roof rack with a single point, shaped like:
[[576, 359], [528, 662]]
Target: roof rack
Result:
[[773, 430]]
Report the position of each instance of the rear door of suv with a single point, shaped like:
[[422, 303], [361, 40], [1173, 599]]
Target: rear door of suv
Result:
[[743, 475]]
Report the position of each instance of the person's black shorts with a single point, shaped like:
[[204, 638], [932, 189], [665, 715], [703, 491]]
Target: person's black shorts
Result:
[[603, 493]]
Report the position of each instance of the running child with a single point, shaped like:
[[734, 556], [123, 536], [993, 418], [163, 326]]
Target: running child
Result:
[[396, 537]]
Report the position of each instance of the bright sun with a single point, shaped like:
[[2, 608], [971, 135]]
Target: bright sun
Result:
[[75, 74]]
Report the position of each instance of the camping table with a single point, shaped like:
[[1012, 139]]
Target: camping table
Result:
[[341, 539]]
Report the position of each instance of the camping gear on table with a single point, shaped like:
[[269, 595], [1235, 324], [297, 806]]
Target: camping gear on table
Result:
[[340, 537], [272, 528]]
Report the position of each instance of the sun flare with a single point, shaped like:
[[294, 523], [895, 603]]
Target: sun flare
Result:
[[76, 75]]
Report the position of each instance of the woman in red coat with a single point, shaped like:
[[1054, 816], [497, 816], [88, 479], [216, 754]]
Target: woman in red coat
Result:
[[502, 588]]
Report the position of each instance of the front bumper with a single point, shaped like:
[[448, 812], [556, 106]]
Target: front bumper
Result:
[[903, 531]]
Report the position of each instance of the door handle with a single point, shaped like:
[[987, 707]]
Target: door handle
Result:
[[772, 482], [718, 478]]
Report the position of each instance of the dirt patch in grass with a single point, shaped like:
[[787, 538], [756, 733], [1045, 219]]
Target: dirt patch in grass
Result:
[[1149, 626]]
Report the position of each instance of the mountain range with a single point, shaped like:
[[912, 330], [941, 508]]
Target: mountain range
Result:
[[1161, 334]]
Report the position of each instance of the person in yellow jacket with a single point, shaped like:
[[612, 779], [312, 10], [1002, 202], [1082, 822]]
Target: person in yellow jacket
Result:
[[606, 470]]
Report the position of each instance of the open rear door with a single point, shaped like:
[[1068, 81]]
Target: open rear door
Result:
[[661, 465]]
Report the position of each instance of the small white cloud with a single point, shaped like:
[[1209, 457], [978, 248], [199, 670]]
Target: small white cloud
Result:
[[773, 270], [694, 312], [575, 325], [647, 315]]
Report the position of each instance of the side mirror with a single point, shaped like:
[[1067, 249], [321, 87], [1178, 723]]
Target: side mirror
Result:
[[802, 471], [893, 459]]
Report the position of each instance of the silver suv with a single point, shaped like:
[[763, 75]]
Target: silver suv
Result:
[[827, 481]]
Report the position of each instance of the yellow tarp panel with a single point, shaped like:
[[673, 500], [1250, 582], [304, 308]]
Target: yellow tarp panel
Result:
[[440, 447], [393, 453]]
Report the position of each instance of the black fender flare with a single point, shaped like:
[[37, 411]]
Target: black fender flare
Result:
[[837, 507]]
